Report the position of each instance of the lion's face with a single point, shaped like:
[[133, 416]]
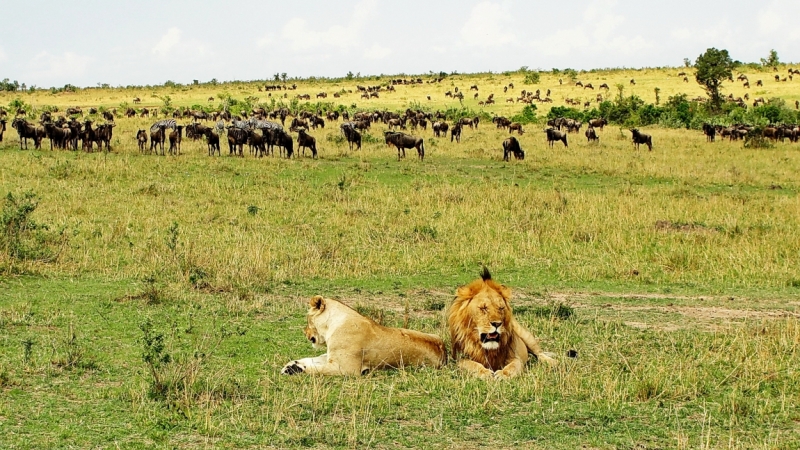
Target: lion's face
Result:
[[316, 338], [490, 313]]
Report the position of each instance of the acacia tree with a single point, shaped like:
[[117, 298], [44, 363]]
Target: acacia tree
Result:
[[713, 67]]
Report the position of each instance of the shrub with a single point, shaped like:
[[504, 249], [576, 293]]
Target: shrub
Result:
[[20, 236], [527, 115]]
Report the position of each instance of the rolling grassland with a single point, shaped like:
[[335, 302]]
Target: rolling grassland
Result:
[[150, 302]]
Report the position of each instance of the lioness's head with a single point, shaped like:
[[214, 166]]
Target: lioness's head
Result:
[[313, 334], [480, 315]]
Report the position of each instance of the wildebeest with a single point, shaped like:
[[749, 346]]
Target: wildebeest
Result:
[[237, 138], [709, 131], [633, 81], [598, 123], [641, 138], [136, 100], [555, 135], [26, 131], [305, 140], [351, 134], [103, 135], [298, 123], [175, 138], [108, 115], [75, 111], [455, 132], [58, 136], [516, 126], [511, 145], [440, 128], [403, 141], [212, 138], [591, 135], [2, 128], [157, 138], [141, 139]]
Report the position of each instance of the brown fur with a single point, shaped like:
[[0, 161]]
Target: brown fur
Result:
[[477, 308]]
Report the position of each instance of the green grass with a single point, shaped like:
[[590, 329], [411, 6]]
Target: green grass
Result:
[[697, 385], [672, 273]]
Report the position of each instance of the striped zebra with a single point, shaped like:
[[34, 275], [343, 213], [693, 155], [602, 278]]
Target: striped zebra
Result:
[[170, 123]]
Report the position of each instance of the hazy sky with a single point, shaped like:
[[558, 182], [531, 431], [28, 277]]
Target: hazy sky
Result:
[[120, 42]]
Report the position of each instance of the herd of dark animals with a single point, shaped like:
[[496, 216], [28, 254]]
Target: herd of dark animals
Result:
[[66, 133]]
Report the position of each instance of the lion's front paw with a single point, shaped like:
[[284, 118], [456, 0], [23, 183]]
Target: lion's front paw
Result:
[[292, 368]]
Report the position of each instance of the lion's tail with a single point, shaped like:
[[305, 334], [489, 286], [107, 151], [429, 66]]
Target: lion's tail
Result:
[[533, 345]]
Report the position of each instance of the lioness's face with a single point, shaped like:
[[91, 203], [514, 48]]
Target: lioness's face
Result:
[[313, 335], [491, 312]]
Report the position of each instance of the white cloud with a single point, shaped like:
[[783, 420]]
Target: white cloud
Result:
[[598, 32], [266, 40], [717, 34], [302, 37], [168, 42], [46, 66], [173, 44], [771, 20], [377, 52], [488, 26]]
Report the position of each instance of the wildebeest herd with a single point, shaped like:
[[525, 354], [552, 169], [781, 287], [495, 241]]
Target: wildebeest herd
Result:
[[261, 135], [261, 130]]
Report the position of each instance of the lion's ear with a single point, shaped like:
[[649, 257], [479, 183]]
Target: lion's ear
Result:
[[317, 302], [505, 292], [464, 292]]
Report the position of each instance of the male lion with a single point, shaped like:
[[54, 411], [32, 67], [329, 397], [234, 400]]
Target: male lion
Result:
[[356, 344], [483, 329]]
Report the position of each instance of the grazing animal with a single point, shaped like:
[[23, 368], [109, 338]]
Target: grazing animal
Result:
[[351, 134], [212, 138], [487, 340], [157, 138], [402, 141], [305, 140], [2, 128], [136, 100], [175, 138], [555, 135], [356, 344], [709, 131], [237, 138], [511, 145], [103, 135], [27, 131], [455, 133], [591, 135], [598, 123], [633, 82], [516, 126], [440, 128], [141, 139], [641, 138]]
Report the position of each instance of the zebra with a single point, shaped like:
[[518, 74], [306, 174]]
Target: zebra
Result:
[[170, 123]]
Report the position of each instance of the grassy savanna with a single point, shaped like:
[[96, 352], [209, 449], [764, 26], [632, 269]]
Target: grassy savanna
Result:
[[672, 273]]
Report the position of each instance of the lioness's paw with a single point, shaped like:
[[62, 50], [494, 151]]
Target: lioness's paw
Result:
[[292, 368]]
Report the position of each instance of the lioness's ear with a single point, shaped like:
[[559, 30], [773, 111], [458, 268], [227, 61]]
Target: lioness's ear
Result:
[[317, 302]]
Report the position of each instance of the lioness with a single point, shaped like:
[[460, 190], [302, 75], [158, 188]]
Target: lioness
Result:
[[356, 344], [484, 331]]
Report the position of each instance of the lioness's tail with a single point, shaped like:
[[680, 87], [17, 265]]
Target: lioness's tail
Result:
[[533, 345]]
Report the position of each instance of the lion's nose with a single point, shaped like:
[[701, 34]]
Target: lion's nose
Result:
[[313, 340], [496, 324]]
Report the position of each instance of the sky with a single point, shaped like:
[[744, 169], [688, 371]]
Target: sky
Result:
[[122, 42]]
